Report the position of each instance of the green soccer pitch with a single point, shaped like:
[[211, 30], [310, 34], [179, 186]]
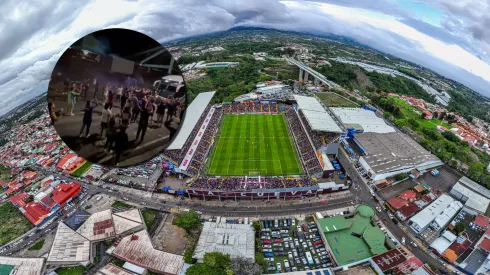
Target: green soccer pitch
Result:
[[252, 145]]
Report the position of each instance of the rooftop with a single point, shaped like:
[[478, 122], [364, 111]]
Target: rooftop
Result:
[[475, 187], [192, 115], [353, 239], [474, 199], [390, 259], [429, 213], [367, 119], [316, 115], [112, 269], [69, 247], [482, 221], [98, 226], [22, 266], [393, 151], [237, 240], [137, 249]]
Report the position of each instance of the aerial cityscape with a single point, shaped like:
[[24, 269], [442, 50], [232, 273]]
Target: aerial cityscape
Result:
[[298, 154]]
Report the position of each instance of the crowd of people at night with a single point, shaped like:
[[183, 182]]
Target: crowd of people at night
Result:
[[138, 105]]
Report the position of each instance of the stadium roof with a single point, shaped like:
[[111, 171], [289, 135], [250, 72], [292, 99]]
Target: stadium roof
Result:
[[474, 200], [138, 249], [318, 118], [429, 213], [24, 266], [367, 119], [192, 115], [237, 240], [69, 247], [112, 269], [394, 151]]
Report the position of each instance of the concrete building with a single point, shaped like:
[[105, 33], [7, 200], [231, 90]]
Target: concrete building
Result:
[[22, 266], [138, 250], [111, 269], [237, 240], [362, 120], [474, 202], [424, 218], [317, 117], [390, 154], [443, 242], [69, 248]]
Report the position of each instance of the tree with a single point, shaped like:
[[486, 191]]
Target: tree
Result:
[[214, 263], [450, 136], [486, 181], [386, 115], [459, 227], [475, 171], [188, 256], [257, 225], [188, 221], [400, 176], [414, 123], [241, 266]]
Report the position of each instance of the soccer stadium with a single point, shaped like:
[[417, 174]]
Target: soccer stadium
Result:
[[258, 149]]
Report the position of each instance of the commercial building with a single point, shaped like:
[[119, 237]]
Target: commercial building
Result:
[[362, 120], [442, 243], [137, 249], [354, 239], [424, 218], [111, 269], [237, 240], [390, 154], [22, 266], [69, 248], [475, 197]]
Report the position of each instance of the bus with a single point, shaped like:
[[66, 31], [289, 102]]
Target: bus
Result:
[[309, 258]]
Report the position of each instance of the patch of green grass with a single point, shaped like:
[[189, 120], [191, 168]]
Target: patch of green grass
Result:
[[334, 100], [4, 173], [408, 111], [149, 217], [121, 204], [82, 169], [12, 223], [433, 123], [37, 245], [254, 145], [76, 270]]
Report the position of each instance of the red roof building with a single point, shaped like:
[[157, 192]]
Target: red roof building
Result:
[[19, 200], [409, 209], [482, 221], [397, 203], [36, 212], [485, 245], [408, 195], [390, 259], [64, 192]]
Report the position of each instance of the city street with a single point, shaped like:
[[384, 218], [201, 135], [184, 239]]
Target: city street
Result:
[[364, 193]]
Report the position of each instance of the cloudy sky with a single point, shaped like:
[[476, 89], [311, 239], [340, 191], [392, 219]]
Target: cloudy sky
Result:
[[449, 37]]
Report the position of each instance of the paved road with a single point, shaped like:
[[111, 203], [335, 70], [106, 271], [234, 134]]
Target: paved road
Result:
[[361, 189]]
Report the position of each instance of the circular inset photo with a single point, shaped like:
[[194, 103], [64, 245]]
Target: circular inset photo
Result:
[[116, 97]]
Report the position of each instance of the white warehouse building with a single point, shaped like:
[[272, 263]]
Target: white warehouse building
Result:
[[429, 214], [389, 154]]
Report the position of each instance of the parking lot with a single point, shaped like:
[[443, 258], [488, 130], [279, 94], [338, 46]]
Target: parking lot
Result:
[[289, 245], [446, 179]]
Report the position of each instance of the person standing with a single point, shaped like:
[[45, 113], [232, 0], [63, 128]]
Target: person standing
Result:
[[120, 142], [124, 98], [52, 112], [119, 94], [106, 93], [136, 108], [110, 99], [171, 106], [161, 112], [106, 116], [87, 117], [111, 131], [126, 114], [72, 93], [151, 110], [143, 124]]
